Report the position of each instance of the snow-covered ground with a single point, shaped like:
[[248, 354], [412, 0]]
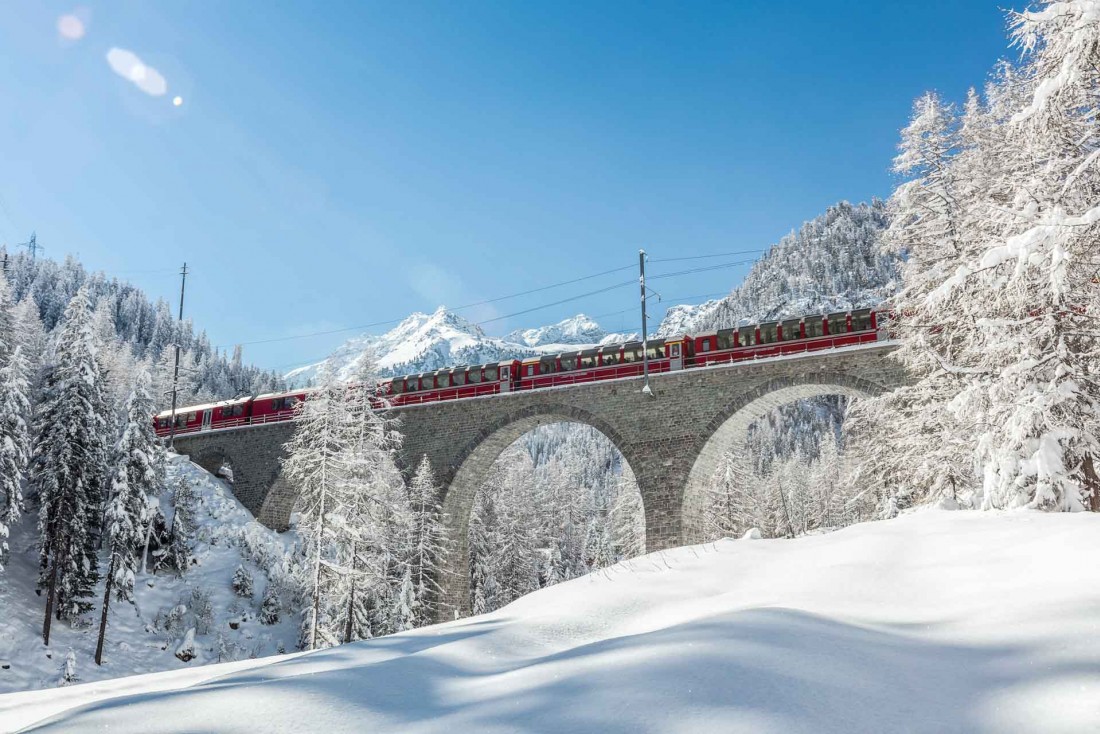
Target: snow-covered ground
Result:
[[140, 637], [934, 622]]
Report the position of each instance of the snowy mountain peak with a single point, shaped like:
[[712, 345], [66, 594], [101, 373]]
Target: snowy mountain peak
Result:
[[579, 329]]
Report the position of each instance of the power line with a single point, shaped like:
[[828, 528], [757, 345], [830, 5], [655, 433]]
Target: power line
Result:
[[702, 257], [557, 303]]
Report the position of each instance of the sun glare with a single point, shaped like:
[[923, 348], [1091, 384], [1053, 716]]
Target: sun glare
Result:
[[70, 27]]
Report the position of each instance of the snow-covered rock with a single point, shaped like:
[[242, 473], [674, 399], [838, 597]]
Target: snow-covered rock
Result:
[[933, 622]]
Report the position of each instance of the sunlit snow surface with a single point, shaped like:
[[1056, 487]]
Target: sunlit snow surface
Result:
[[934, 622]]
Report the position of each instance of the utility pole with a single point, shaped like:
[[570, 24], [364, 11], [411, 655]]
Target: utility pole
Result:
[[32, 245], [176, 370], [646, 390]]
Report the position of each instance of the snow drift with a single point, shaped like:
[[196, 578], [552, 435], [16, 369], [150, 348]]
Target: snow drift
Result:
[[934, 622]]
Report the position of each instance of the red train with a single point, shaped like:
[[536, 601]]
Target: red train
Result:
[[613, 361]]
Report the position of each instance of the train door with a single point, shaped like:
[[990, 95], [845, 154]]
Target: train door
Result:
[[505, 378], [675, 356], [207, 416]]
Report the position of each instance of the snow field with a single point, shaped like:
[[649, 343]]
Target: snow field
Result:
[[933, 622]]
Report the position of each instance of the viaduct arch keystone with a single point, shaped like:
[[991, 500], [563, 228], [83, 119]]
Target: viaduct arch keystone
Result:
[[671, 440]]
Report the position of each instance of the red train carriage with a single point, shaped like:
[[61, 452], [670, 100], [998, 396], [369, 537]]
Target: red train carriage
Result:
[[226, 413], [273, 407], [791, 336], [452, 383], [602, 363]]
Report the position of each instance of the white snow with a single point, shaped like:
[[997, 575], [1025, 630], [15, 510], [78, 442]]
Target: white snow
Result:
[[932, 622]]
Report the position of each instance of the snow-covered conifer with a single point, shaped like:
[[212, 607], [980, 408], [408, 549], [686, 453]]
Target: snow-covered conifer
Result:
[[137, 477], [14, 442], [69, 467]]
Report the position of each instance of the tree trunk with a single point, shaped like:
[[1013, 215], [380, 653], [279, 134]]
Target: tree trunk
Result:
[[351, 596], [51, 591], [108, 583], [1092, 483]]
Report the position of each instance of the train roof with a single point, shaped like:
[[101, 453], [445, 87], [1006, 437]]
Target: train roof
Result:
[[204, 406]]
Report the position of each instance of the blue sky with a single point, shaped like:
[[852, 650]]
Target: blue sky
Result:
[[346, 163]]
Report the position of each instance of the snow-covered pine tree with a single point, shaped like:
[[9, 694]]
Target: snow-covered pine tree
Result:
[[69, 467], [242, 582], [15, 408], [375, 517], [483, 541], [183, 525], [429, 544], [8, 334], [316, 464], [137, 477], [1036, 276]]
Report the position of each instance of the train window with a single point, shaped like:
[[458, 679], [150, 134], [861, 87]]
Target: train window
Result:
[[768, 333], [610, 357], [491, 373], [458, 377], [548, 365], [814, 327], [473, 375], [568, 363], [746, 335], [530, 370], [838, 323], [442, 379], [587, 361], [861, 319], [791, 330], [633, 354], [725, 339], [397, 386], [410, 384], [656, 352], [705, 344], [427, 382], [163, 422]]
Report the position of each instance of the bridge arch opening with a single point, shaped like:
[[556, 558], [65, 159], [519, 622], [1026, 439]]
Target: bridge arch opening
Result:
[[508, 471], [729, 431]]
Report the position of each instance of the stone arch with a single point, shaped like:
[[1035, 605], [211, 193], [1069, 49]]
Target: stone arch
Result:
[[729, 427], [212, 458], [472, 465]]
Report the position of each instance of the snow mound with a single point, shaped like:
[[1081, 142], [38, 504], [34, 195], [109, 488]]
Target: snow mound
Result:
[[932, 622]]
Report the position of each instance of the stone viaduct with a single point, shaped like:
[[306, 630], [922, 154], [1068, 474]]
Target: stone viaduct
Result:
[[671, 439]]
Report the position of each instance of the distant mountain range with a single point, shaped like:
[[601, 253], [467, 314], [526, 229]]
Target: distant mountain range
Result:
[[831, 263], [424, 342]]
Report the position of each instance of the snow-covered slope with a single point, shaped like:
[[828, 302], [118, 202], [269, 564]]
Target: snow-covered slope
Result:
[[425, 342], [934, 622], [143, 637]]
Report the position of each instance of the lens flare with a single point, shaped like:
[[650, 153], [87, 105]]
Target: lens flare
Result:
[[70, 27]]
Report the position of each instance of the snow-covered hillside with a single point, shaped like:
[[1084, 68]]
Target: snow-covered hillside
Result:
[[832, 262], [145, 636], [933, 622], [425, 342]]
